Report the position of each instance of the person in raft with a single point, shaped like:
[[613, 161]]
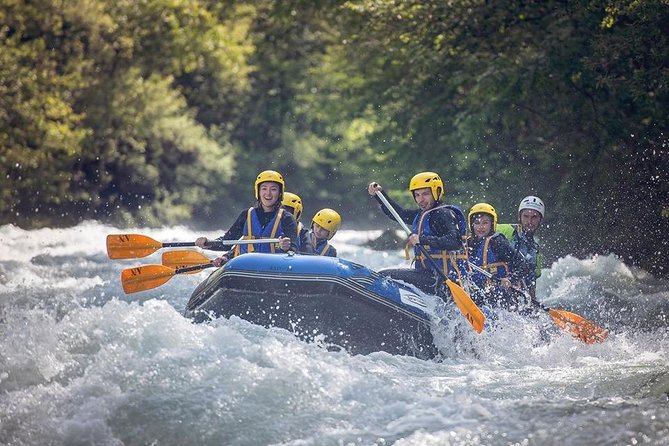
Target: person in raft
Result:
[[324, 226], [439, 228], [293, 204], [531, 211], [493, 253], [267, 219]]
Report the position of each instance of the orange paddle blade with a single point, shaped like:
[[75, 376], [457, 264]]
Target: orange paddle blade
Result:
[[583, 329], [182, 259], [467, 306], [145, 277], [131, 246]]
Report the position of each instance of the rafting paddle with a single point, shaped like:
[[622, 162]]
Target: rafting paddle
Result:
[[183, 259], [465, 303], [132, 246], [583, 329], [146, 277]]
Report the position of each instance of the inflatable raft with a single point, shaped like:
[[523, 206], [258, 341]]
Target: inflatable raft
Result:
[[340, 303]]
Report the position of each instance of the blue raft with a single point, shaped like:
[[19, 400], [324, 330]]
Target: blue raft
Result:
[[344, 304]]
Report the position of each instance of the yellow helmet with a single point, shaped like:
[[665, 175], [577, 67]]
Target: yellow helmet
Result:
[[269, 175], [291, 200], [328, 219], [483, 208], [428, 179]]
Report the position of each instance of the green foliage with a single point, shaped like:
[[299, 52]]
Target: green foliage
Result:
[[94, 102], [154, 162], [40, 132]]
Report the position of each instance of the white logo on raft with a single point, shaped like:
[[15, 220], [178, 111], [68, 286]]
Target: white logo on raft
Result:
[[412, 299]]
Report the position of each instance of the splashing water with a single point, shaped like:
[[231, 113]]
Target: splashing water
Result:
[[81, 363]]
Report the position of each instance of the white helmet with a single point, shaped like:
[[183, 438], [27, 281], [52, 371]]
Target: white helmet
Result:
[[534, 203]]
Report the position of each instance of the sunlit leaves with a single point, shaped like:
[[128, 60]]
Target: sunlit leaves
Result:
[[96, 122]]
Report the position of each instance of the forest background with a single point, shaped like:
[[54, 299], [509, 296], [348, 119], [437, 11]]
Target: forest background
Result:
[[160, 112]]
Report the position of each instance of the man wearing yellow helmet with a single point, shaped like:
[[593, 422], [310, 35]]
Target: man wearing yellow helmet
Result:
[[264, 220], [493, 253], [324, 226], [293, 204], [437, 227], [531, 211]]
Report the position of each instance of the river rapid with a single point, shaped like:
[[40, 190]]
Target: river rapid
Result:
[[81, 363]]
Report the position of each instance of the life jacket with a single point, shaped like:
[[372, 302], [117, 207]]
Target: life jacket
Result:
[[454, 263], [486, 259], [254, 230], [323, 248], [525, 244]]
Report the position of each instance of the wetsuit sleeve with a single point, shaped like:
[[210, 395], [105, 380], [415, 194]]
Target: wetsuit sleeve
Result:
[[304, 240], [444, 227], [506, 229], [520, 268], [289, 228], [407, 215], [305, 244], [234, 233]]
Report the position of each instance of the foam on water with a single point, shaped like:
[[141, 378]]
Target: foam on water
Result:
[[82, 363]]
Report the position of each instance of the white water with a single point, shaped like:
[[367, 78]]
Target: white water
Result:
[[83, 364]]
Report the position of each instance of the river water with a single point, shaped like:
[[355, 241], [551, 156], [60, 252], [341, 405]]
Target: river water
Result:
[[81, 363]]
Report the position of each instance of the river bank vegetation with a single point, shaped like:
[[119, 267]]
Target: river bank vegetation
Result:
[[159, 112]]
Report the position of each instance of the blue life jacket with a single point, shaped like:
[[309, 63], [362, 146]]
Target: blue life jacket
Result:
[[453, 264], [254, 230], [323, 248], [486, 259]]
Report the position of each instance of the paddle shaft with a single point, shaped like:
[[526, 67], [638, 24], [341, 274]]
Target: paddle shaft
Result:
[[392, 210], [188, 269], [177, 244], [220, 243]]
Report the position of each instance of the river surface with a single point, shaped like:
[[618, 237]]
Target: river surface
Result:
[[81, 363]]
